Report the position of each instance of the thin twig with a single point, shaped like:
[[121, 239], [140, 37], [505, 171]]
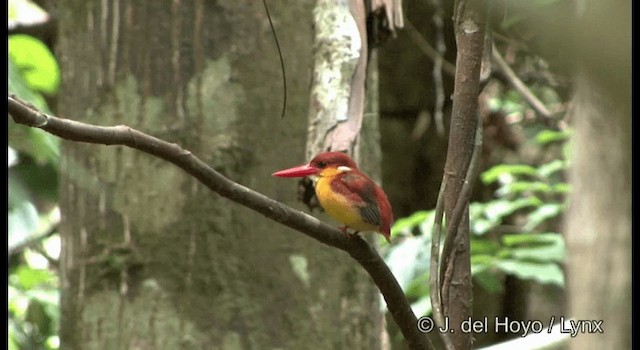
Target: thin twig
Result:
[[460, 208], [284, 77], [437, 66], [434, 276], [428, 50], [517, 84], [357, 248]]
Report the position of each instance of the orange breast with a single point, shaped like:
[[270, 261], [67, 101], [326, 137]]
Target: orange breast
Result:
[[340, 207]]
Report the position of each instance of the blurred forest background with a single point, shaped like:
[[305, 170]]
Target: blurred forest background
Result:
[[519, 204]]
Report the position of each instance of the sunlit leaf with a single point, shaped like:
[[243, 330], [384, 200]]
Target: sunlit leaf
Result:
[[542, 213], [25, 12], [523, 186], [539, 272], [22, 221], [35, 62], [500, 208], [409, 258], [562, 187], [299, 265], [547, 136], [406, 225], [18, 86], [419, 286], [494, 173], [26, 277], [483, 247], [545, 170], [531, 238], [542, 247]]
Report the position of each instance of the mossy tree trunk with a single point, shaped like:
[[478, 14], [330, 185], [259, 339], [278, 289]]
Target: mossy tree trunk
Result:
[[151, 259]]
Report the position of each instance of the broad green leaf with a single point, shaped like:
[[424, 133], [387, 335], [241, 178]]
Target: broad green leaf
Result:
[[500, 208], [542, 247], [43, 147], [543, 213], [407, 224], [540, 272], [24, 12], [22, 221], [419, 286], [40, 145], [27, 278], [409, 258], [480, 226], [483, 247], [481, 261], [532, 238], [488, 280], [545, 170], [35, 62], [494, 173], [519, 187], [549, 253], [547, 136], [562, 187], [18, 86]]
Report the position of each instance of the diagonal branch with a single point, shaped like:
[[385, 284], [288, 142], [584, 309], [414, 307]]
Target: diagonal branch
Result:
[[519, 86], [358, 249]]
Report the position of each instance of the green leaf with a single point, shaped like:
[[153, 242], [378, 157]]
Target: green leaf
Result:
[[43, 147], [483, 247], [409, 258], [539, 272], [545, 170], [406, 225], [541, 247], [562, 187], [495, 172], [500, 208], [27, 278], [299, 265], [419, 286], [488, 280], [22, 221], [25, 12], [519, 187], [547, 136], [542, 213], [19, 86], [35, 62], [511, 240], [480, 262]]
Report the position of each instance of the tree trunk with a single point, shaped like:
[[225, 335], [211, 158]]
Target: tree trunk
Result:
[[599, 216], [598, 230], [150, 258], [455, 267]]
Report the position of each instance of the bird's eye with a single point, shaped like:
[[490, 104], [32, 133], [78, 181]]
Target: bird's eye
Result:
[[322, 164]]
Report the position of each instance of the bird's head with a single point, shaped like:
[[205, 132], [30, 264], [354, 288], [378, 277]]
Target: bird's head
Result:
[[324, 164]]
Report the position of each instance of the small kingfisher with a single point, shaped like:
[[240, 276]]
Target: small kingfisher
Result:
[[346, 194]]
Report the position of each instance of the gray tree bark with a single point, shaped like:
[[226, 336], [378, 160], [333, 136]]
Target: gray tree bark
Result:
[[150, 258], [598, 227]]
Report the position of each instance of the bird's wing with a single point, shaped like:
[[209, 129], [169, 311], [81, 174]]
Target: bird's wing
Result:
[[362, 191]]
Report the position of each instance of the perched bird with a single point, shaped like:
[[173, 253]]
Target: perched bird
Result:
[[346, 194]]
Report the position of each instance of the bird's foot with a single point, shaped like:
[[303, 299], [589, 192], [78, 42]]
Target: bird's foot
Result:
[[345, 229]]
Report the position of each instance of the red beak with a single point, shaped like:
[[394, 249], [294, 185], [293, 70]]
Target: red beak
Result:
[[299, 171]]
